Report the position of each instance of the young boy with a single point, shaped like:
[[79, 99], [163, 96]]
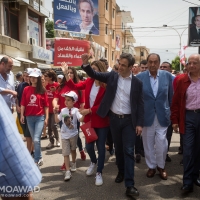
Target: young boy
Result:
[[69, 131]]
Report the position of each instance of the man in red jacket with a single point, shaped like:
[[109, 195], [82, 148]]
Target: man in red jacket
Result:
[[186, 116]]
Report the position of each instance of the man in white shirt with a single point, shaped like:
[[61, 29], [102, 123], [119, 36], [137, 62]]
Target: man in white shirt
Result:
[[86, 10], [123, 102], [7, 85]]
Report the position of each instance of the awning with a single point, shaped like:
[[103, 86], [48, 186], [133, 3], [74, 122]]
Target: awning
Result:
[[43, 66], [16, 63], [25, 60]]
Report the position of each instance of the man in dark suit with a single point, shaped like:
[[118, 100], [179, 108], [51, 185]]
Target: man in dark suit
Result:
[[86, 10], [123, 102], [195, 32]]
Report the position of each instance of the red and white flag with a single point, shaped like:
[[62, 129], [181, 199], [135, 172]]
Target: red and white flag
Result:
[[182, 55]]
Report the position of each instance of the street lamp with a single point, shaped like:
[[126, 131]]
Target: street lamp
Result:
[[180, 35]]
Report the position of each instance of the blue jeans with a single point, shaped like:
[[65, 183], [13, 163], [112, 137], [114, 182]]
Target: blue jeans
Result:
[[35, 125], [124, 137], [100, 142]]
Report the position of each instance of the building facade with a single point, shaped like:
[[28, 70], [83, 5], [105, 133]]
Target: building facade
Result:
[[22, 33]]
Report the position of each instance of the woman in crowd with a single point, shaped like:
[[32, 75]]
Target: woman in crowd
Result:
[[44, 83], [24, 126], [34, 105], [74, 77], [94, 92], [51, 86], [59, 102]]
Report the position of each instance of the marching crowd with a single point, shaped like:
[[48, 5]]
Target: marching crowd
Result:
[[133, 108]]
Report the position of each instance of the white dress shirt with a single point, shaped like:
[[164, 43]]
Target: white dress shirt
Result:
[[8, 84], [93, 94], [154, 83], [121, 104], [87, 29]]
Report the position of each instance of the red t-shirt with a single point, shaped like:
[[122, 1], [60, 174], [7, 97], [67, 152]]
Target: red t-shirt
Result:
[[51, 94], [61, 100], [34, 103]]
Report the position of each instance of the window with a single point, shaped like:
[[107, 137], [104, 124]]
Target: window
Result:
[[106, 52], [11, 22], [35, 30], [113, 53], [106, 5], [106, 29], [113, 14], [113, 34]]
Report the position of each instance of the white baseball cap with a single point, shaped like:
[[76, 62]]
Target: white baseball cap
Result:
[[71, 94], [35, 72], [60, 76], [28, 70]]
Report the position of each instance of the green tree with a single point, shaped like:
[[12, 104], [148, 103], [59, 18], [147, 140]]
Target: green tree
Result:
[[50, 29], [176, 64]]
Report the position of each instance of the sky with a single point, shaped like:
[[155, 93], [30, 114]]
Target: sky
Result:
[[156, 13]]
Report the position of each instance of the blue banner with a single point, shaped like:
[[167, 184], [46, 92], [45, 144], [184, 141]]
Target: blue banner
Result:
[[77, 16]]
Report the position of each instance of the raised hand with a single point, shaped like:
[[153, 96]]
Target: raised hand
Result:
[[85, 58], [64, 68]]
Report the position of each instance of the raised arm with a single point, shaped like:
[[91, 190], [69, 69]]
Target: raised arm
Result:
[[100, 76]]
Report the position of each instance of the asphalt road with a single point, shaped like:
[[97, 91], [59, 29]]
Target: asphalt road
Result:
[[81, 187]]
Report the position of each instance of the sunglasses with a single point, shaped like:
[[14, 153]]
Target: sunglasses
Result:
[[48, 45]]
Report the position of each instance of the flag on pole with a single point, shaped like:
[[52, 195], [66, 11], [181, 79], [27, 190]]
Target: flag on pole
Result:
[[182, 55]]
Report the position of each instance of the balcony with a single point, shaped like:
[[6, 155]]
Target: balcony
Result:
[[36, 6]]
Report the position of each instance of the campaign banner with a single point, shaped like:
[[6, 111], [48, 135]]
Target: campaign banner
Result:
[[70, 51], [77, 16], [194, 27]]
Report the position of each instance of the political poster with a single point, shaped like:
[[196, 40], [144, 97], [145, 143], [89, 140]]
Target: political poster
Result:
[[70, 51], [77, 16], [194, 27]]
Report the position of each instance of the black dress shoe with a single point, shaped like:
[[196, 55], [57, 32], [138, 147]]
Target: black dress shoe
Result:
[[119, 178], [187, 188], [168, 159], [137, 158], [112, 152], [197, 182], [132, 192]]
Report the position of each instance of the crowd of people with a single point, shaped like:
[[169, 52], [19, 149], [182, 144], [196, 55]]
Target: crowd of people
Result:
[[133, 107]]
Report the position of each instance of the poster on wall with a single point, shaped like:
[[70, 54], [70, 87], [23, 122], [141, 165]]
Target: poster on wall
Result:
[[77, 16], [70, 51], [194, 27], [34, 31], [117, 43], [50, 46]]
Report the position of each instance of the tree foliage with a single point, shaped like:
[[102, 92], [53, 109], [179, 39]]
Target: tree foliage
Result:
[[50, 29], [176, 64]]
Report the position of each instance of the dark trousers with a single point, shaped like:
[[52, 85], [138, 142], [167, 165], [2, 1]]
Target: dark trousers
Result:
[[100, 143], [169, 135], [191, 147], [124, 137], [79, 142], [138, 145], [109, 140], [52, 127]]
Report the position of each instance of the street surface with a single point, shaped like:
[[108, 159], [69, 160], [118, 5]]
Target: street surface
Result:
[[81, 187]]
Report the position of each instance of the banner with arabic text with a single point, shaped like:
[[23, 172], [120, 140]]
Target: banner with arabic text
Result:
[[70, 51], [77, 16]]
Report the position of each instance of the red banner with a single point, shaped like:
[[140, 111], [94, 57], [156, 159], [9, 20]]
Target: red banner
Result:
[[70, 51]]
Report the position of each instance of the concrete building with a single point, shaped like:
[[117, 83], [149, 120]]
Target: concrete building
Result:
[[141, 53], [22, 33], [115, 34]]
